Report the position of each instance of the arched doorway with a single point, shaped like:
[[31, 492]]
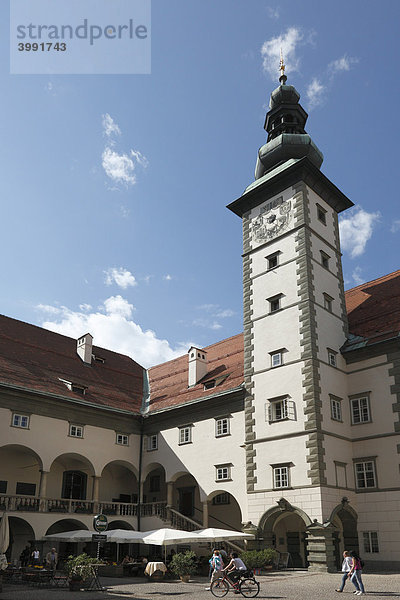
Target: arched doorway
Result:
[[154, 486], [118, 483], [65, 549], [20, 473], [224, 511], [344, 519], [21, 535], [284, 528], [187, 497], [70, 477]]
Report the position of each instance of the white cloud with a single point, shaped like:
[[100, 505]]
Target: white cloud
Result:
[[167, 277], [357, 277], [139, 158], [271, 49], [110, 127], [52, 310], [118, 167], [207, 324], [117, 305], [225, 313], [342, 64], [122, 277], [85, 307], [113, 328], [315, 93], [395, 226], [356, 230], [273, 13]]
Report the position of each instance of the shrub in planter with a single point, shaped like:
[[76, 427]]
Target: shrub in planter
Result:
[[257, 559], [79, 569], [184, 564]]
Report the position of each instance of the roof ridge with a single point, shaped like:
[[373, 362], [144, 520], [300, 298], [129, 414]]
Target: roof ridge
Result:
[[382, 277]]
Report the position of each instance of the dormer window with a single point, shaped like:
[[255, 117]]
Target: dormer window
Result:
[[209, 385], [74, 387], [98, 359]]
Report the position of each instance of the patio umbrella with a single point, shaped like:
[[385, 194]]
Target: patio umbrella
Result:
[[167, 537], [78, 535], [4, 541], [212, 534]]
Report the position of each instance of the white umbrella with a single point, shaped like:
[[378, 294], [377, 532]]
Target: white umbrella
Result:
[[212, 534], [78, 535], [166, 537], [4, 541], [124, 536]]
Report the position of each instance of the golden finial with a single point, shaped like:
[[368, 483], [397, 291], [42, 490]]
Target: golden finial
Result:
[[282, 67]]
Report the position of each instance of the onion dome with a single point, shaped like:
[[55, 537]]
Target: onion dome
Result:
[[284, 124]]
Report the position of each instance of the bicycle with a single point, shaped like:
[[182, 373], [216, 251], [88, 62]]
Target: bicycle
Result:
[[246, 585]]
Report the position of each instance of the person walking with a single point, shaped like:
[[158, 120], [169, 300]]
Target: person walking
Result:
[[52, 559], [35, 557], [346, 568], [356, 572], [217, 565]]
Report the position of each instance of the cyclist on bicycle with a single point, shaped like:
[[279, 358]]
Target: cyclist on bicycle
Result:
[[235, 569]]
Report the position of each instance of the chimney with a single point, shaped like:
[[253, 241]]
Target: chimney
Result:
[[197, 365], [84, 348]]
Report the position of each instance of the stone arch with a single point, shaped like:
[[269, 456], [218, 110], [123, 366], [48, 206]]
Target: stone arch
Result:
[[224, 510], [118, 524], [269, 517], [151, 467], [284, 527], [70, 462], [187, 496], [21, 467], [119, 482], [345, 537], [122, 463], [65, 525], [21, 535]]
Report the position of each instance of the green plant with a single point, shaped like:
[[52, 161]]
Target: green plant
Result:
[[183, 564], [81, 566], [256, 559]]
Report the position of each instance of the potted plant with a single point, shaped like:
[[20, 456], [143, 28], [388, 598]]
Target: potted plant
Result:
[[184, 565], [79, 569], [258, 559]]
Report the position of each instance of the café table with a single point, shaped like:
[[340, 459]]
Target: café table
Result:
[[153, 567]]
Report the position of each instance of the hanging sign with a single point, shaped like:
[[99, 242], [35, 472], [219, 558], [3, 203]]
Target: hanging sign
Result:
[[100, 523]]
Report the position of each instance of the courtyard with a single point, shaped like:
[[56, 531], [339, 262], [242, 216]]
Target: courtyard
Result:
[[281, 585]]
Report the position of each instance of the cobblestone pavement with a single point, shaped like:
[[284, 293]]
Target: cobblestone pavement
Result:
[[289, 585]]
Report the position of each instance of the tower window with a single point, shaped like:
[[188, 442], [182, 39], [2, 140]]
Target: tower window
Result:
[[332, 357], [321, 214], [328, 300], [324, 260], [275, 303], [276, 358], [273, 260]]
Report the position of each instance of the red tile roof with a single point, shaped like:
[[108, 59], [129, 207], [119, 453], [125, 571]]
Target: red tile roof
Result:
[[169, 381], [373, 308], [35, 358]]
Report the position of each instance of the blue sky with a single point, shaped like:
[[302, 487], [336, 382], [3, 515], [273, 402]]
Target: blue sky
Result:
[[114, 187]]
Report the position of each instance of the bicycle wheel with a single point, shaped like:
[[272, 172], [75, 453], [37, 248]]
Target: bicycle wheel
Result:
[[249, 588], [219, 588]]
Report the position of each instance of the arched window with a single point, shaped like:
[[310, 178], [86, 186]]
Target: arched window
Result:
[[74, 485]]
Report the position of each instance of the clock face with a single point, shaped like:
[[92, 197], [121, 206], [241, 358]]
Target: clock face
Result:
[[274, 219]]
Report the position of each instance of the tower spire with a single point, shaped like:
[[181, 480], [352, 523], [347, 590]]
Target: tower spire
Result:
[[283, 77]]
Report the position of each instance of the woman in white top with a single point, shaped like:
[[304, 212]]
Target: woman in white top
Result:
[[235, 568], [346, 568]]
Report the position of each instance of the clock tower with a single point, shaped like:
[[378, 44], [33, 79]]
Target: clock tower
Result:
[[294, 326]]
